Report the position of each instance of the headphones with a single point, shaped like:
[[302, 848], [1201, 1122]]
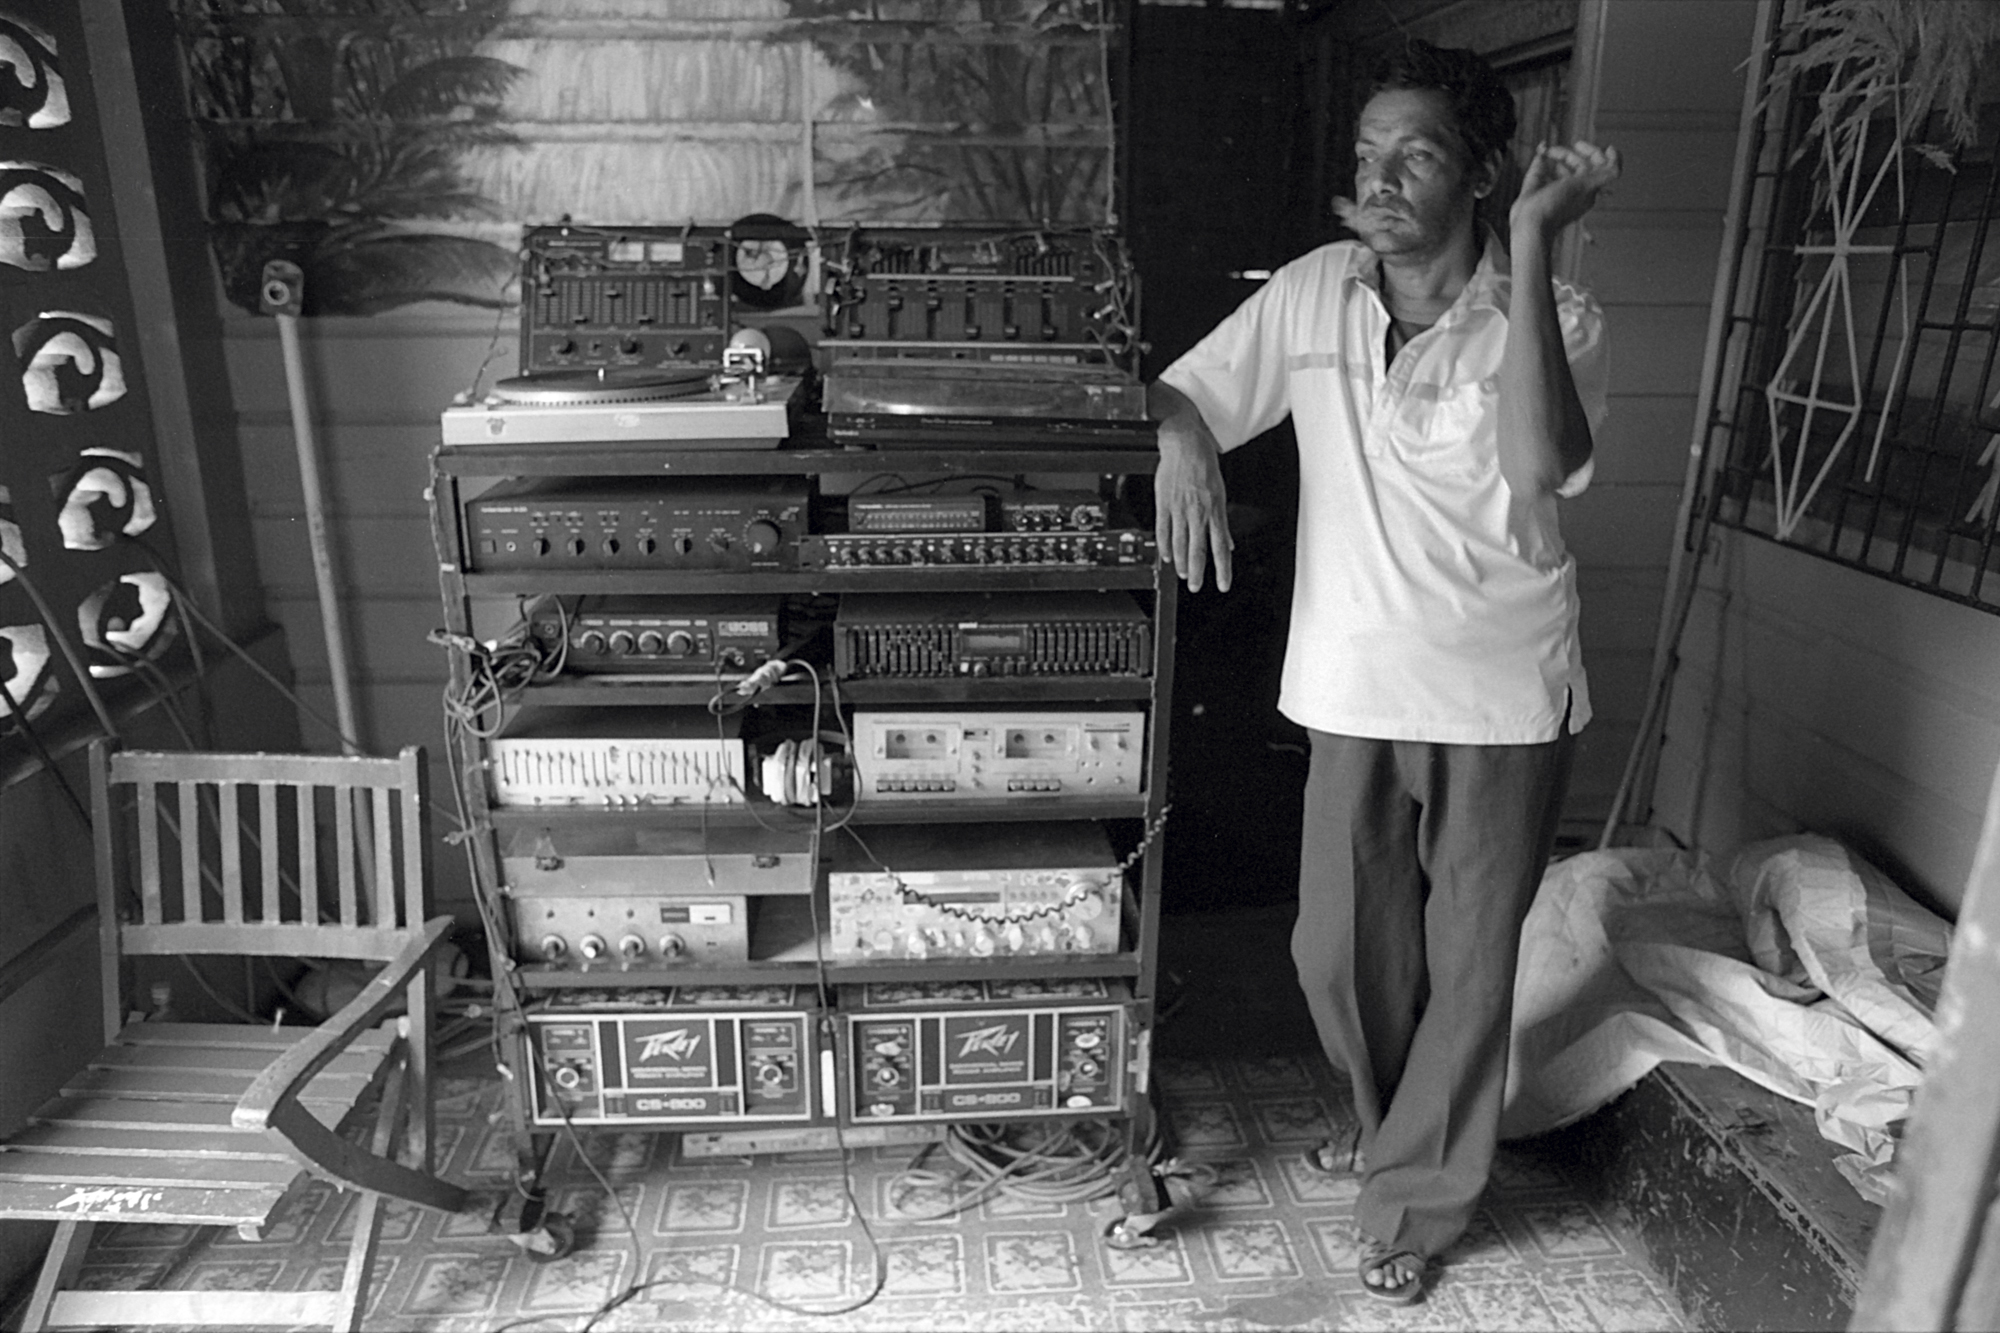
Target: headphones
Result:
[[792, 773]]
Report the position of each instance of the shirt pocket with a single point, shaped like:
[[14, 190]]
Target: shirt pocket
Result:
[[1454, 435]]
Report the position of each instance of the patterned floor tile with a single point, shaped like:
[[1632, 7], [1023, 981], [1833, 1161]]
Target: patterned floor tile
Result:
[[925, 1266], [1197, 1126], [1301, 1120], [1031, 1261], [582, 1281], [1278, 1073], [1187, 1076], [709, 1205], [454, 1284], [1162, 1264], [1568, 1230], [805, 1271], [815, 1202], [1241, 1250], [1232, 1184]]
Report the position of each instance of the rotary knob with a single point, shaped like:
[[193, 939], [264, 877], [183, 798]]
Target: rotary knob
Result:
[[762, 537], [651, 643], [632, 947], [680, 643], [672, 947], [592, 947], [621, 643], [554, 947]]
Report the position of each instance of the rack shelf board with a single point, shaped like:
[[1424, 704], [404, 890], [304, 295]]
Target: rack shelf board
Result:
[[601, 692], [638, 460], [940, 578], [762, 812]]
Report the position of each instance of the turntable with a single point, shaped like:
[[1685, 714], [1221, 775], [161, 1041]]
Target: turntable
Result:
[[687, 406]]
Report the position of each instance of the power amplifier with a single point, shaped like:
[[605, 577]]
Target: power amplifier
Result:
[[623, 296], [618, 898], [920, 635], [975, 891], [1046, 550], [692, 523], [1054, 511], [707, 637], [687, 1055], [1051, 296], [959, 755], [564, 756], [988, 1050]]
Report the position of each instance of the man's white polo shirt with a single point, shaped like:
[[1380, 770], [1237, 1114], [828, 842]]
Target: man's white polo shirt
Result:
[[1428, 606]]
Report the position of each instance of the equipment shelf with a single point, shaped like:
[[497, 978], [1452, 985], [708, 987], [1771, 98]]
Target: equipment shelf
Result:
[[663, 461], [1012, 578], [695, 693]]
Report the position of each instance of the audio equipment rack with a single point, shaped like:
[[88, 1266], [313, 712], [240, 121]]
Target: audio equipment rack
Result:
[[756, 965]]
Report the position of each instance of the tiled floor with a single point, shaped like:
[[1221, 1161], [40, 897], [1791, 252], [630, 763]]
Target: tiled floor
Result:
[[728, 1244], [786, 1241]]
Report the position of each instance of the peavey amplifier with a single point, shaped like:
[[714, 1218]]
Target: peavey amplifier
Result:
[[689, 1055], [988, 1050]]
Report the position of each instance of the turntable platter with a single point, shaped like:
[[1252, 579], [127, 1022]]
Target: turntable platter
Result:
[[604, 384]]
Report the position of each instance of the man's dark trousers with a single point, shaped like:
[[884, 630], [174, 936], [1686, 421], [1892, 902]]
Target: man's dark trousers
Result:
[[1418, 866]]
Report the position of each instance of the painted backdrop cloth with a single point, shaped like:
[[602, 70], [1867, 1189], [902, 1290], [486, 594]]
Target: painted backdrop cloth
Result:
[[1800, 966]]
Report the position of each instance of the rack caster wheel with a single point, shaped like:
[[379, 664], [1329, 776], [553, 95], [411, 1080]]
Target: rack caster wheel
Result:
[[1131, 1233], [554, 1239]]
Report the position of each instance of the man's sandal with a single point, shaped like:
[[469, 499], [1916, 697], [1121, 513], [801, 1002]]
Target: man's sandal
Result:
[[1381, 1262], [1337, 1157]]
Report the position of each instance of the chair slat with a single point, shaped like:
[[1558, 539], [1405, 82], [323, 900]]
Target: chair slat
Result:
[[286, 940], [229, 832], [193, 1086], [203, 1309], [93, 1140], [177, 1206], [149, 852], [246, 1036], [384, 910], [190, 837], [344, 851], [142, 1169], [308, 862], [173, 1061], [299, 769], [269, 838], [110, 1113]]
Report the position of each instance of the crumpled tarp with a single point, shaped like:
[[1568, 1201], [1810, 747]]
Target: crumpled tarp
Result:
[[1800, 966]]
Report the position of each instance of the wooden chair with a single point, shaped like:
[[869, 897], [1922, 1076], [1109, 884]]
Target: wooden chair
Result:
[[214, 1123]]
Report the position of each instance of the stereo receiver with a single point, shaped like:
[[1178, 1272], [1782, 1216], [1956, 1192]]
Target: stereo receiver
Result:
[[963, 754], [975, 891], [928, 635], [988, 1050], [686, 524], [687, 1055]]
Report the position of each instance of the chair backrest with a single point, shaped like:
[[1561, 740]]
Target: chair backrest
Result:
[[313, 856]]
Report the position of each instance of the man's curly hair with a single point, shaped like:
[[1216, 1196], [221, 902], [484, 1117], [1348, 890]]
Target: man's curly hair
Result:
[[1480, 105]]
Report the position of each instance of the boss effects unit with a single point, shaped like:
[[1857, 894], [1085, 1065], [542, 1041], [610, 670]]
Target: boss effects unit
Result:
[[698, 637], [923, 755], [688, 1055], [985, 1050], [977, 891]]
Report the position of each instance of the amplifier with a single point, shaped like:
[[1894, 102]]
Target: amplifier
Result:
[[984, 294], [564, 756], [623, 296], [706, 637], [975, 891], [961, 755], [919, 635], [616, 898], [988, 1050], [690, 523], [1047, 550], [686, 1055]]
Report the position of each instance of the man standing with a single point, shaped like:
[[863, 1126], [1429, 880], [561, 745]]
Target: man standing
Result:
[[1443, 391]]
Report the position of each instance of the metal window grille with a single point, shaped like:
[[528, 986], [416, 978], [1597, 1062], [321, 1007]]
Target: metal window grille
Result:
[[1857, 416]]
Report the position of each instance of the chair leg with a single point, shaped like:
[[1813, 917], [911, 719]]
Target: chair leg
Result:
[[360, 1262], [59, 1269], [368, 1211]]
